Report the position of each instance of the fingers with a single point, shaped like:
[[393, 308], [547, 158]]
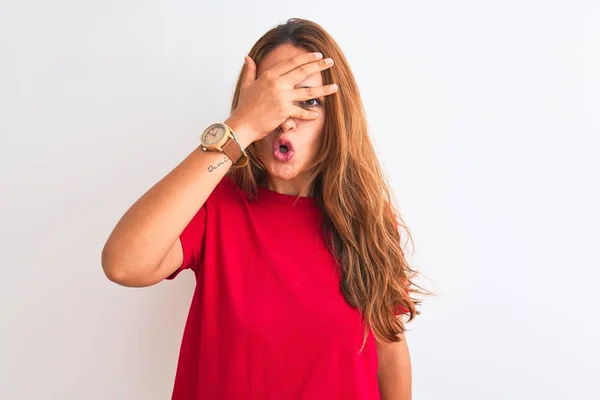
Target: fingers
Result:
[[303, 71], [310, 93], [301, 113], [286, 66], [249, 75]]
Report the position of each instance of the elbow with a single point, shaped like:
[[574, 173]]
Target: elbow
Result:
[[112, 271], [120, 273]]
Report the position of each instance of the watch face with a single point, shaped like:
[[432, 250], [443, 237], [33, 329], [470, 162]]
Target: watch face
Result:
[[213, 134]]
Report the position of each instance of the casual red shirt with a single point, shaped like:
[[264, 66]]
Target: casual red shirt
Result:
[[268, 319]]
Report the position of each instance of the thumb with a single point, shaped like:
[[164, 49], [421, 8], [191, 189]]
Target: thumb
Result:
[[249, 75]]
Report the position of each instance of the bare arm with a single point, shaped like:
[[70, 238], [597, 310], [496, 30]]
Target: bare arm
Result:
[[394, 374], [144, 246]]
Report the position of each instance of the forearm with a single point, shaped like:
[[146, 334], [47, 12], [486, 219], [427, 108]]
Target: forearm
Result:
[[394, 373]]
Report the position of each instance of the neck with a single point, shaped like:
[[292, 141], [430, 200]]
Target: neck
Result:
[[291, 187]]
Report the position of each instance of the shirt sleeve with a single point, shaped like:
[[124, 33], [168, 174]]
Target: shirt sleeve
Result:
[[192, 239]]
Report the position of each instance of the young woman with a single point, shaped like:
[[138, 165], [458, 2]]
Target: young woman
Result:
[[283, 215]]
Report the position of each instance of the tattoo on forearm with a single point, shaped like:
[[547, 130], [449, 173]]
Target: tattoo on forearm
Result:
[[211, 168]]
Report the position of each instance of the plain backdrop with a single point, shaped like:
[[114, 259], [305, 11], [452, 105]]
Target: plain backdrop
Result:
[[485, 115]]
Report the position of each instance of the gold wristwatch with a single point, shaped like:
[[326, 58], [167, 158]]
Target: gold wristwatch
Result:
[[220, 137]]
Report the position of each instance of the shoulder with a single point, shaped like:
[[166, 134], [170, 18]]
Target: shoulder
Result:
[[226, 192], [229, 187]]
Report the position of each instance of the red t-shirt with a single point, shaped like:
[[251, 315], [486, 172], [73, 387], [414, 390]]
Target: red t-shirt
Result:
[[268, 319]]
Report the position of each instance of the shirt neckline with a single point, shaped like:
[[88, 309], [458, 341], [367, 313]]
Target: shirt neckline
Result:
[[274, 197]]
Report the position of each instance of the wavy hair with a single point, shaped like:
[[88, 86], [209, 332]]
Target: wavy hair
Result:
[[361, 224]]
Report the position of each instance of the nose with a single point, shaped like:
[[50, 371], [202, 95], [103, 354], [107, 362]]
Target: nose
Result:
[[288, 124]]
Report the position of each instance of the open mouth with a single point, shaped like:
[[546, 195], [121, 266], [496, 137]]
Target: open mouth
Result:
[[283, 150]]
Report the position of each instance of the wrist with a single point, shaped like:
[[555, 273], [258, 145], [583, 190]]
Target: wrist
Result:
[[243, 131]]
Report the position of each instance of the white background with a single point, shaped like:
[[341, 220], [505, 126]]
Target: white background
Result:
[[486, 118]]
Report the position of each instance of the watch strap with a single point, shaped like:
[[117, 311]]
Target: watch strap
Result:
[[232, 150]]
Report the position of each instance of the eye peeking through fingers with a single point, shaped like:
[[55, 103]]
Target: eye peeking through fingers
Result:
[[310, 104]]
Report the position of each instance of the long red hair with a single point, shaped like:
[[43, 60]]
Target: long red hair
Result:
[[361, 223]]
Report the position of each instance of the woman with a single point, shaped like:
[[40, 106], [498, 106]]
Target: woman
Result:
[[302, 284]]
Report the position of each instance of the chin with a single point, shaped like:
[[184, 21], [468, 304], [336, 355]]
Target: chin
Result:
[[284, 171]]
